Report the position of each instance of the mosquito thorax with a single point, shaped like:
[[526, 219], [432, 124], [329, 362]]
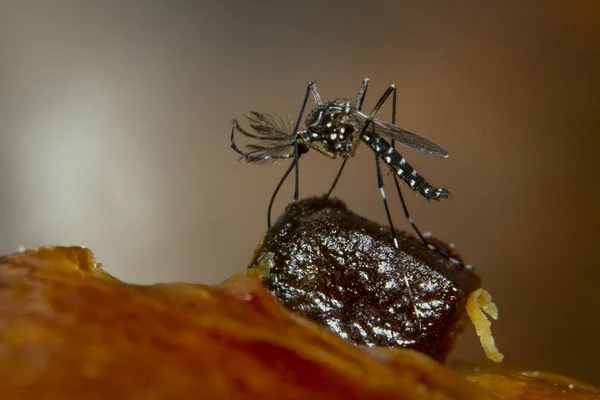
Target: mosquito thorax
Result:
[[333, 125]]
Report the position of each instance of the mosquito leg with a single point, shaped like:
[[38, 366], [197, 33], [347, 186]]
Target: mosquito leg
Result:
[[337, 178], [361, 94], [294, 165], [389, 218], [404, 207], [297, 183], [376, 109], [315, 93], [359, 103], [283, 178], [391, 90], [233, 145], [407, 215], [312, 88]]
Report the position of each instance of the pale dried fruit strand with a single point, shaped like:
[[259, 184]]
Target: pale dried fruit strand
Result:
[[480, 301]]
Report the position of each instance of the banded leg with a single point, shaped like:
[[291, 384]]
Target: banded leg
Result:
[[389, 218], [397, 184], [377, 150], [359, 103], [369, 120], [405, 208]]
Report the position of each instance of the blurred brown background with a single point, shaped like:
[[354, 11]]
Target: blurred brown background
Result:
[[115, 121]]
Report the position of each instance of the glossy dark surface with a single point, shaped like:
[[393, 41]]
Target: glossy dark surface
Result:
[[343, 272]]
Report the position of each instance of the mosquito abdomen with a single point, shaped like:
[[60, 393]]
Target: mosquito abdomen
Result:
[[403, 169]]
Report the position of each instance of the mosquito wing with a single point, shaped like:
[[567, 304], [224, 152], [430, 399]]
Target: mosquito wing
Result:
[[406, 138]]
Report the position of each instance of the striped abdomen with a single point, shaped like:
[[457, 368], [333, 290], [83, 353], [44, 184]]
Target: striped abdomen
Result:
[[402, 168]]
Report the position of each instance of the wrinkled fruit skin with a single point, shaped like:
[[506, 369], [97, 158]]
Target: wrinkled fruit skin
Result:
[[70, 331], [343, 272]]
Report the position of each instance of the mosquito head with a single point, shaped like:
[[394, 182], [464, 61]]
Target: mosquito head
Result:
[[333, 124]]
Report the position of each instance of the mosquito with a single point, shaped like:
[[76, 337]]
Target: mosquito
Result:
[[335, 128]]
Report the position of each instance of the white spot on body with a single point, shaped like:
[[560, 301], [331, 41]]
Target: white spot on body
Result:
[[382, 193], [329, 124], [360, 328], [400, 171], [414, 172], [333, 136], [378, 148], [402, 161], [426, 191], [342, 129], [388, 159], [396, 243], [315, 134], [390, 150], [334, 324], [432, 247], [412, 183], [366, 138]]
